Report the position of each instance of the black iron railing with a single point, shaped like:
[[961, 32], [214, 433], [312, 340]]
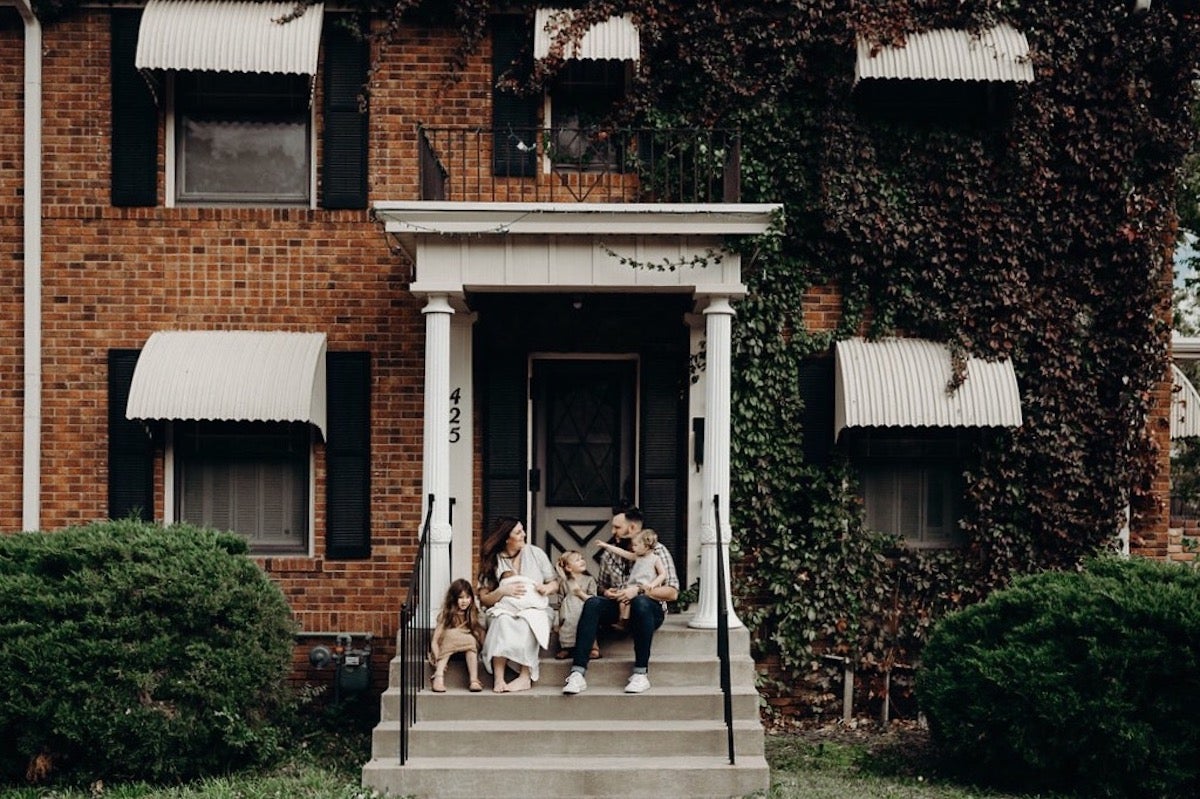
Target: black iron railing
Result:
[[415, 633], [580, 164], [723, 629]]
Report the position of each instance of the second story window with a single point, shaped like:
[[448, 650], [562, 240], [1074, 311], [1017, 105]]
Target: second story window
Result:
[[242, 137], [577, 107]]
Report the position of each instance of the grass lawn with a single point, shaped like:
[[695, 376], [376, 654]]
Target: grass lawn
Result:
[[832, 762]]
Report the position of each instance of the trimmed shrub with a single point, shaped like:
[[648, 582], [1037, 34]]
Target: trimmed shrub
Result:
[[1085, 683], [133, 651]]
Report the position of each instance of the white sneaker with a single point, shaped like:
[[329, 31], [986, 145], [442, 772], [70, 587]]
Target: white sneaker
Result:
[[637, 684], [575, 683]]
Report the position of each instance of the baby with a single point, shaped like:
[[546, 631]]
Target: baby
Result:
[[513, 605]]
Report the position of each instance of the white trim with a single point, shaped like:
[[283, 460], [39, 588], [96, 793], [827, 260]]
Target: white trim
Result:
[[416, 217]]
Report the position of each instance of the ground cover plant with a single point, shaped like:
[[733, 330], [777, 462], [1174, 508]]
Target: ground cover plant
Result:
[[137, 652]]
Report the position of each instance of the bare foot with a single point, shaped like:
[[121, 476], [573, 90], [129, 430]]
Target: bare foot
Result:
[[522, 683], [500, 687]]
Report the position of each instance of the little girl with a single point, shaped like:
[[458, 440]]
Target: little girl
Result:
[[575, 585], [647, 571], [458, 630]]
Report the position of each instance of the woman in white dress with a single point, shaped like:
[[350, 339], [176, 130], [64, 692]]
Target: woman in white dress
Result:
[[512, 640]]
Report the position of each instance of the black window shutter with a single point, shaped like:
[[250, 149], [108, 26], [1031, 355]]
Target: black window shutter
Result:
[[134, 119], [505, 390], [348, 456], [514, 117], [662, 455], [344, 158], [130, 451], [816, 392]]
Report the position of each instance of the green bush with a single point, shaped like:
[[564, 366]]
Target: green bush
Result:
[[133, 651], [1073, 682]]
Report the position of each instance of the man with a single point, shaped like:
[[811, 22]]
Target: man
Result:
[[647, 607]]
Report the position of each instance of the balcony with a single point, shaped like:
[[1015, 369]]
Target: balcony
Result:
[[580, 165]]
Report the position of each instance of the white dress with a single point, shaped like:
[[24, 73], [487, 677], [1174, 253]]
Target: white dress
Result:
[[510, 636]]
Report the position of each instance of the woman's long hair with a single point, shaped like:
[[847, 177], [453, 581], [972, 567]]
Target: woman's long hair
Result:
[[489, 550]]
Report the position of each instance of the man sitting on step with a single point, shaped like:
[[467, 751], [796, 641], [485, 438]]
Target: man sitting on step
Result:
[[647, 607]]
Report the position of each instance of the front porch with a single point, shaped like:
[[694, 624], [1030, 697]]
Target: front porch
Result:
[[669, 741]]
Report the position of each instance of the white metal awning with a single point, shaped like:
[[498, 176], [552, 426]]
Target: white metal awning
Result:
[[229, 36], [1185, 406], [240, 375], [996, 54], [616, 38], [902, 382]]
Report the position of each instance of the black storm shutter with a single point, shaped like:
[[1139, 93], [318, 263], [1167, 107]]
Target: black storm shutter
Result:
[[130, 450], [344, 158], [134, 159], [506, 388], [514, 117], [662, 455], [348, 456], [816, 392]]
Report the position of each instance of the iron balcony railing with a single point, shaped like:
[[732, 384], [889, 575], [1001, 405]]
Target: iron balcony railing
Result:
[[580, 164]]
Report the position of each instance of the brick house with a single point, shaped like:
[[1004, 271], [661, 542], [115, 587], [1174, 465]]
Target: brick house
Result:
[[239, 296]]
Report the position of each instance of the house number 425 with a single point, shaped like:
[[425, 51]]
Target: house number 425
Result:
[[455, 415]]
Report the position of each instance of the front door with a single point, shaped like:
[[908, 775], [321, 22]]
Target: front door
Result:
[[583, 446]]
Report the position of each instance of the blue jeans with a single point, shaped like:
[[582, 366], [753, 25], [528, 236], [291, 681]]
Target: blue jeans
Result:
[[645, 616]]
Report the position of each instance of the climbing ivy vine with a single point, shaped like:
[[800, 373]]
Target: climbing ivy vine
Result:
[[1042, 236]]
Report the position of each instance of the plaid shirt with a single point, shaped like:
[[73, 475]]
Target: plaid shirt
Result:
[[614, 570]]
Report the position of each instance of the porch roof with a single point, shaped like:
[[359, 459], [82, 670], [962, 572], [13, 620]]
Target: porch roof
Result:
[[242, 375], [900, 382]]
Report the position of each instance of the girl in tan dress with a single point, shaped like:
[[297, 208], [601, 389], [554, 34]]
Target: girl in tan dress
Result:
[[458, 630]]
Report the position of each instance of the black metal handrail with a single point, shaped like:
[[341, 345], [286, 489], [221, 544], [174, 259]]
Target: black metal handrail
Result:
[[415, 633], [723, 630], [572, 163]]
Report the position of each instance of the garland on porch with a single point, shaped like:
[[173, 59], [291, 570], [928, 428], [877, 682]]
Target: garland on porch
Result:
[[1044, 239]]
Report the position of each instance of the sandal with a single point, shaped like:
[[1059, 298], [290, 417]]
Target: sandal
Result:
[[439, 684], [476, 686], [562, 654], [595, 654]]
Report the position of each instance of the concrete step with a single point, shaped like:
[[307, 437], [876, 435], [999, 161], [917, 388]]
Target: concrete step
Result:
[[667, 668], [524, 774], [599, 701], [575, 737]]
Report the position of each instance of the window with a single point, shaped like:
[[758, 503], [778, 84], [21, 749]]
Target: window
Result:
[[242, 137], [920, 503], [248, 477], [911, 482], [583, 98]]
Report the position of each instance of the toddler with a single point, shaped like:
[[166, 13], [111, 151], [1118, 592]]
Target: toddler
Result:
[[458, 630], [647, 571], [575, 585]]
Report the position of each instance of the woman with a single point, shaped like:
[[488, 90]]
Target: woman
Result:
[[513, 638]]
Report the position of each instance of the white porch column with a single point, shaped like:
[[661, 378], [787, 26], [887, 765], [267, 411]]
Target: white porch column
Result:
[[435, 470], [718, 323]]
